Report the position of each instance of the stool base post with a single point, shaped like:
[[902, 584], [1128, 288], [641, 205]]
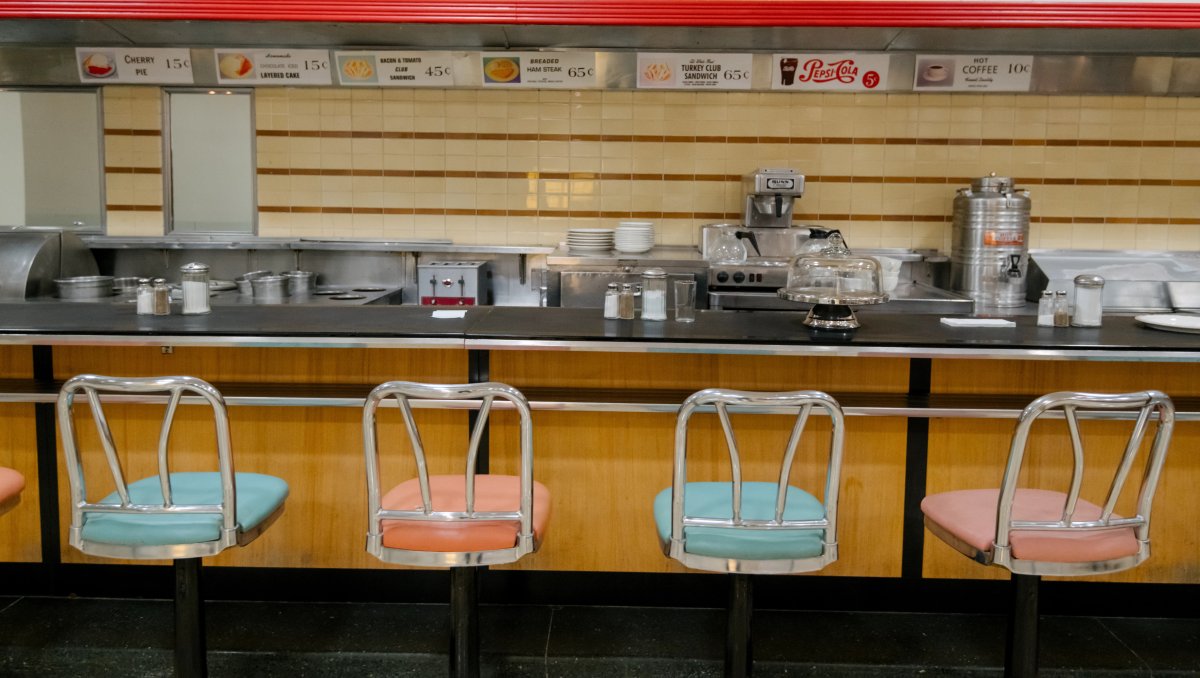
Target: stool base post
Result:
[[1021, 653], [464, 622], [739, 661], [190, 657]]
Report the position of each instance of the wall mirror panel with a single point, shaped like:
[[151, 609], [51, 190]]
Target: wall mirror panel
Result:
[[210, 177], [51, 169]]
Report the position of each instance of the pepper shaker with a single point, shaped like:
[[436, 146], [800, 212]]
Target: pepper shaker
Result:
[[162, 297], [1062, 312], [625, 302]]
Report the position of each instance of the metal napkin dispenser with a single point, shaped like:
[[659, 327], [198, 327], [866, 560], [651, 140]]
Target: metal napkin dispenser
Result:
[[31, 257], [455, 283]]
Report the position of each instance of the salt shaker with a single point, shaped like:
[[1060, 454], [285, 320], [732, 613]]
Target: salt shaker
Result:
[[1089, 290], [1045, 309], [145, 297], [195, 288], [612, 302], [1062, 313], [625, 302], [654, 294], [162, 297]]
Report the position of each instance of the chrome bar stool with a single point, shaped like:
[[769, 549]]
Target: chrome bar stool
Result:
[[1035, 532], [746, 527], [456, 521], [181, 516], [11, 485]]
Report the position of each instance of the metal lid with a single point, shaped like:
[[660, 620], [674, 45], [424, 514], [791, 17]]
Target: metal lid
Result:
[[992, 183], [194, 267], [1089, 280], [160, 281], [654, 273], [613, 286]]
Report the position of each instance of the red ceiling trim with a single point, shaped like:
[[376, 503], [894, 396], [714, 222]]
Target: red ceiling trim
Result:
[[900, 13]]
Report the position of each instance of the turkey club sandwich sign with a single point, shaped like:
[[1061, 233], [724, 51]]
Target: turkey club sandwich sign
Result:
[[845, 72]]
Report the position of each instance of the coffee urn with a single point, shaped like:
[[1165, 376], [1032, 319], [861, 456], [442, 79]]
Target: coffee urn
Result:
[[989, 253]]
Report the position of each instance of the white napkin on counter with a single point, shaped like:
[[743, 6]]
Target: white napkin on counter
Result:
[[978, 322], [449, 314]]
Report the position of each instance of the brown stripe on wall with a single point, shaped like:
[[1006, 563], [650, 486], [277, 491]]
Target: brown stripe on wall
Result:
[[687, 139], [133, 208], [133, 170], [592, 214], [120, 132], [726, 178]]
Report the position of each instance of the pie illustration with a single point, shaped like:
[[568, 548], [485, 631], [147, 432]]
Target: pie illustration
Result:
[[501, 70], [656, 72], [357, 69], [98, 65], [235, 65]]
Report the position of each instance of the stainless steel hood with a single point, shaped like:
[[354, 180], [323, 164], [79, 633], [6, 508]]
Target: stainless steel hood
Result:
[[117, 32], [40, 52]]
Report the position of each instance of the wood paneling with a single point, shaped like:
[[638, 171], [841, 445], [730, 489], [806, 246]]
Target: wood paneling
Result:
[[967, 454], [318, 451], [16, 362], [1036, 377], [604, 469], [20, 528], [525, 369], [269, 365]]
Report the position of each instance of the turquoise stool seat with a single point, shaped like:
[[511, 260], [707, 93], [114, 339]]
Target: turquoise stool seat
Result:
[[258, 496], [715, 500]]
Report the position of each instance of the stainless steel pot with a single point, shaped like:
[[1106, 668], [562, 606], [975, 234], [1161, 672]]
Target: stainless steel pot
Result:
[[244, 283], [300, 283], [269, 289], [85, 287]]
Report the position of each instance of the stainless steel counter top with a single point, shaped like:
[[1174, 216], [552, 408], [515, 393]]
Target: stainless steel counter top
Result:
[[896, 335]]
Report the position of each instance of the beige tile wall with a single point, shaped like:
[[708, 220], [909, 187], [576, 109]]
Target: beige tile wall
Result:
[[520, 167]]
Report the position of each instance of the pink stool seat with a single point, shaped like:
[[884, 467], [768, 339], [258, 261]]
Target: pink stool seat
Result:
[[970, 516], [11, 484], [449, 493]]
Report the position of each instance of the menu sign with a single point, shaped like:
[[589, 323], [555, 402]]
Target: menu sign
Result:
[[969, 72], [548, 70], [694, 71], [395, 69], [846, 72], [273, 67], [110, 65]]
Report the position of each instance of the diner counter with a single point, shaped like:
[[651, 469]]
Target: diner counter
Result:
[[721, 332], [931, 406]]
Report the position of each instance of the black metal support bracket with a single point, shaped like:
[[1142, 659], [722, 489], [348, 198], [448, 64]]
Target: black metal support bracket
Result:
[[1021, 651], [739, 656], [464, 622], [916, 461], [45, 434], [191, 659]]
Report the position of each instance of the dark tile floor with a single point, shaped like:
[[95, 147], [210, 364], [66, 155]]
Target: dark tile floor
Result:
[[103, 637]]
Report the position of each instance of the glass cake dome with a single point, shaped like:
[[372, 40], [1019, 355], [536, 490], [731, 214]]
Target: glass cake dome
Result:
[[833, 280]]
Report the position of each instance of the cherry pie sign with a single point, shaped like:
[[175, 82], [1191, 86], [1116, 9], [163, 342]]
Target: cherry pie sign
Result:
[[830, 72]]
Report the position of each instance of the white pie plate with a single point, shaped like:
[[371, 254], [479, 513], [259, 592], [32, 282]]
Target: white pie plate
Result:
[[1172, 322]]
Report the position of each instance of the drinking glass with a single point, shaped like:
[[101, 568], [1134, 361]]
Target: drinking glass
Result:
[[685, 301]]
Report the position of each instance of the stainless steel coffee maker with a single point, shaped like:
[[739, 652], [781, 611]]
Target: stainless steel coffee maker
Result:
[[770, 196]]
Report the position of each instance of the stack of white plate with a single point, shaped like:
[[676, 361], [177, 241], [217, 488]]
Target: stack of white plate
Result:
[[634, 236], [590, 239]]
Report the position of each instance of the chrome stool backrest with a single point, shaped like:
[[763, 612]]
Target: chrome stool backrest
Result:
[[144, 389], [759, 402], [1070, 404], [486, 392]]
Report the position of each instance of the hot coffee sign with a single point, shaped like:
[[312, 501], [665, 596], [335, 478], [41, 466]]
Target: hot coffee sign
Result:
[[817, 72]]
